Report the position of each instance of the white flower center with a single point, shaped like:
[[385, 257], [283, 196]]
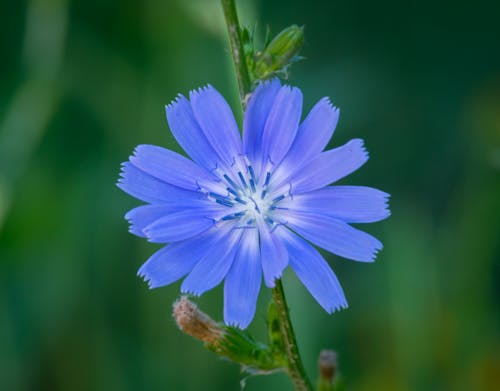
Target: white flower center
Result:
[[249, 200]]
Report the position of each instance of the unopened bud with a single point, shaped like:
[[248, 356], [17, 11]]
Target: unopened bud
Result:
[[327, 363], [280, 53], [229, 342], [196, 323]]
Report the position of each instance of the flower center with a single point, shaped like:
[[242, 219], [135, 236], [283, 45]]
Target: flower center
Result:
[[249, 199]]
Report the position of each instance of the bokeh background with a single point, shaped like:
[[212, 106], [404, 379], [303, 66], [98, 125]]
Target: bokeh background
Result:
[[83, 82]]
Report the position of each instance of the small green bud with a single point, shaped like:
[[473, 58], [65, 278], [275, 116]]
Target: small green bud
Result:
[[280, 52]]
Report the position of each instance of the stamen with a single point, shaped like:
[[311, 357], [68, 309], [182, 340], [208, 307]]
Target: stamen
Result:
[[273, 207], [252, 185], [225, 203], [255, 204], [238, 199], [232, 191], [252, 173], [230, 181], [233, 216], [242, 179], [263, 194], [220, 199], [268, 178], [218, 196], [277, 199]]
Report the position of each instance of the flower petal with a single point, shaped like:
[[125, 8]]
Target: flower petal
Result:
[[170, 167], [175, 260], [256, 114], [273, 255], [217, 122], [180, 225], [282, 124], [144, 215], [329, 166], [146, 188], [213, 267], [352, 204], [314, 133], [188, 133], [334, 235], [315, 273], [242, 284]]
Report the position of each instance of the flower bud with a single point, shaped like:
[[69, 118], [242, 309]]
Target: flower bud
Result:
[[329, 379], [225, 341], [196, 323], [327, 363], [280, 52]]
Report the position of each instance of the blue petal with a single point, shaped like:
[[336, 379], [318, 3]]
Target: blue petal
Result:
[[213, 267], [180, 225], [146, 188], [217, 122], [242, 284], [313, 271], [282, 124], [334, 235], [175, 260], [188, 133], [329, 166], [352, 204], [144, 215], [314, 133], [170, 167], [256, 115], [273, 254]]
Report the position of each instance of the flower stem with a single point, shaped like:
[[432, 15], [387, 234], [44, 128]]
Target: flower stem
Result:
[[233, 28], [295, 368]]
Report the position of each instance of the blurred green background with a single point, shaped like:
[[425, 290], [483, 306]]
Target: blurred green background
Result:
[[83, 82]]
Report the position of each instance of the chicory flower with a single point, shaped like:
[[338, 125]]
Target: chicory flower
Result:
[[242, 209]]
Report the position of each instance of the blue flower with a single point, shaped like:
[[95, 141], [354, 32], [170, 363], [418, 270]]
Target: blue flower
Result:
[[244, 208]]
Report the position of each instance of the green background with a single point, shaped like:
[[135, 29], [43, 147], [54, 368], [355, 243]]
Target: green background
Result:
[[83, 82]]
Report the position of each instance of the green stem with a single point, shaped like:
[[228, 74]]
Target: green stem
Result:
[[295, 368], [233, 28]]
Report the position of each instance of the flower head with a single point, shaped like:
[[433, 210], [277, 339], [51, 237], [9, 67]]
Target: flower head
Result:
[[244, 208]]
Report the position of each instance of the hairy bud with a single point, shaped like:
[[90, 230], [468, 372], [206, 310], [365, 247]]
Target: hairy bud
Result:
[[196, 323]]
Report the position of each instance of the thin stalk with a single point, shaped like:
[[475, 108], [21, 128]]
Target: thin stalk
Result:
[[295, 368], [233, 28]]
